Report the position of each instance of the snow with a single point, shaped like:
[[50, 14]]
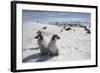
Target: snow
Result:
[[73, 45]]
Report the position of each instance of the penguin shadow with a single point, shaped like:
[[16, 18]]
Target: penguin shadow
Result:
[[37, 58], [37, 48]]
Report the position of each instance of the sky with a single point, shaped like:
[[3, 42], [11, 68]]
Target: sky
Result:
[[53, 16]]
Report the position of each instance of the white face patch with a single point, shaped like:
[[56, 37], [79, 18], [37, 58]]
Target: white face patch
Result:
[[57, 37]]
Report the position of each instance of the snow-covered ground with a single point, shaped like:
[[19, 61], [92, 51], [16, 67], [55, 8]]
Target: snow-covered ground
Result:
[[73, 45]]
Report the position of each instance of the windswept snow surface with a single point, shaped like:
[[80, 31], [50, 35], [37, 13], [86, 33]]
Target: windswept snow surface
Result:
[[73, 45]]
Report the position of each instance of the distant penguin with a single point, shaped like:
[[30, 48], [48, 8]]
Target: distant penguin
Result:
[[44, 28], [52, 47]]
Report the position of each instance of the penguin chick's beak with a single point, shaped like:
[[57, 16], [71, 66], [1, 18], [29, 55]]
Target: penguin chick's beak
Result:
[[35, 37]]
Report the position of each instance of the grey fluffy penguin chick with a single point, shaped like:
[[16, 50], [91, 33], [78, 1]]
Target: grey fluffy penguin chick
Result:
[[52, 47], [41, 43]]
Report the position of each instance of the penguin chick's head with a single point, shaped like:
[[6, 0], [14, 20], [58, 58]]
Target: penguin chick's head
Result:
[[39, 32], [39, 36], [54, 37]]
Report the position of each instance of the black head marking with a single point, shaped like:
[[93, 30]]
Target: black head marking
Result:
[[55, 37], [39, 32]]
